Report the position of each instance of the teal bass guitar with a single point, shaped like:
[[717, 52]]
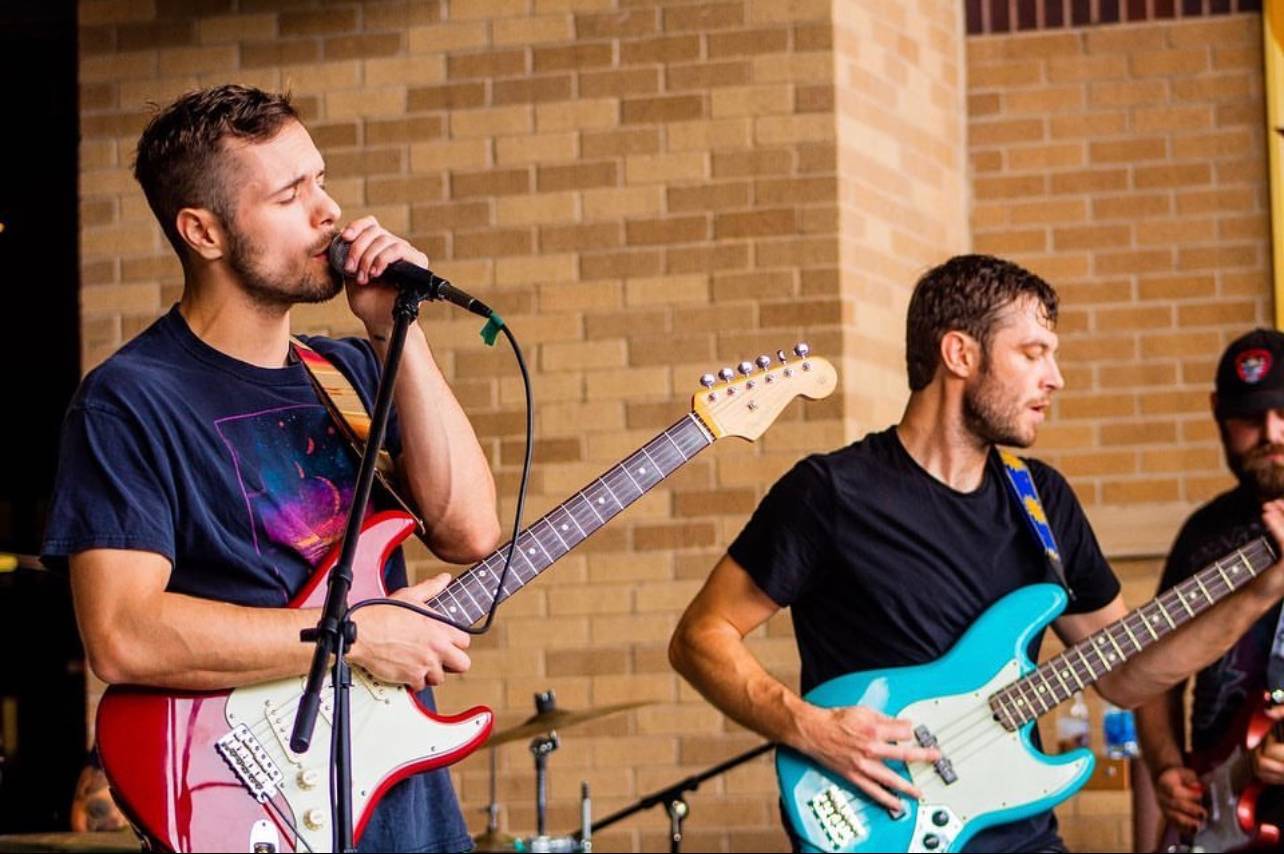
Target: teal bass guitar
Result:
[[978, 704]]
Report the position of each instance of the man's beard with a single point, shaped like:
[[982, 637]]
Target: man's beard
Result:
[[272, 290], [992, 418], [1256, 470]]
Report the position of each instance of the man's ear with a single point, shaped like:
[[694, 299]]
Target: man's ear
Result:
[[203, 232], [960, 354]]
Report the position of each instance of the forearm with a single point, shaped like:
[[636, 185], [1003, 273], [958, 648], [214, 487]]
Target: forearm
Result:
[[1195, 645], [716, 661], [1160, 731], [186, 643], [442, 462]]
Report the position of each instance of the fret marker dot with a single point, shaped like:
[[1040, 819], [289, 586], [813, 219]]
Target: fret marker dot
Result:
[[642, 470], [530, 551], [1065, 672], [452, 609], [564, 528], [1043, 689], [482, 573]]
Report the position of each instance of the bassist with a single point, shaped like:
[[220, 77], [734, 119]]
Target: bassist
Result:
[[888, 549]]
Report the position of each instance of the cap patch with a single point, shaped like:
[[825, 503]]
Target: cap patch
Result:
[[1252, 365]]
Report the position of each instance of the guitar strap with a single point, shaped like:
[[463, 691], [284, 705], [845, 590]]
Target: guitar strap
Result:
[[349, 414], [1023, 490]]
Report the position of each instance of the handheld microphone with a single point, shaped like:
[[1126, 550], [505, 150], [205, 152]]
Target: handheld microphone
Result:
[[419, 281]]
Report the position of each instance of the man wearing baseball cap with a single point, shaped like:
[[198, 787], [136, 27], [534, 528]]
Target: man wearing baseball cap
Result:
[[1248, 404]]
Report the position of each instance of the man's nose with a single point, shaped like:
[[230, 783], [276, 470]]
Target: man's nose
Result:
[[1273, 422]]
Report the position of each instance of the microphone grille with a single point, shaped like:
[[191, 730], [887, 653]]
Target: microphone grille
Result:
[[339, 253]]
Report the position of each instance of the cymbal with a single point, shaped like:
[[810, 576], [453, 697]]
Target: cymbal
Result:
[[543, 722]]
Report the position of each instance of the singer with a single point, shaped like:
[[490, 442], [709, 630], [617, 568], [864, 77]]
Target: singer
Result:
[[201, 478]]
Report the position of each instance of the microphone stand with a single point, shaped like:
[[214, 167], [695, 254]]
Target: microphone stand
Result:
[[334, 632], [674, 800]]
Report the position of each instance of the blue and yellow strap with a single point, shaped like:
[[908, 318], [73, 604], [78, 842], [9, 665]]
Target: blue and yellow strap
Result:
[[1027, 496]]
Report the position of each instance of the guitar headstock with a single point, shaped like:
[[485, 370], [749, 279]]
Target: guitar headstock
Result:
[[746, 403]]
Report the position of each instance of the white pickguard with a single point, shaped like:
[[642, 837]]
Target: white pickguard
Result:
[[996, 770], [388, 732]]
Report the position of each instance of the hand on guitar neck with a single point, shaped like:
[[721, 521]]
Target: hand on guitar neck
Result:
[[403, 648], [1267, 757]]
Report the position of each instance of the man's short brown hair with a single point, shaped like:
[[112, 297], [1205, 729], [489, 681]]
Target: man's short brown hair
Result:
[[182, 160], [964, 294]]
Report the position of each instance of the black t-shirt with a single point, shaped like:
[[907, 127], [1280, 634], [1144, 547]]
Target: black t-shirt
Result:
[[885, 566], [238, 476], [1213, 531]]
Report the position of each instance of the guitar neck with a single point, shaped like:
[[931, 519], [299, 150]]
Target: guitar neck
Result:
[[1082, 664], [469, 597]]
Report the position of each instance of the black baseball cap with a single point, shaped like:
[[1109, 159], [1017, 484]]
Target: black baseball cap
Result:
[[1250, 375]]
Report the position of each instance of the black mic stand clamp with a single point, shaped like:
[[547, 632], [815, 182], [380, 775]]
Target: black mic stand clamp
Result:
[[335, 632]]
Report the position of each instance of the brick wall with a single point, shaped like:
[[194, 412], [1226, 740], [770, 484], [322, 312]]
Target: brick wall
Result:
[[1127, 165]]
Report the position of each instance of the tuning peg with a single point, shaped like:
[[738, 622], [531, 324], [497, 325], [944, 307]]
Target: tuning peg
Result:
[[726, 375], [780, 354], [763, 361], [802, 349], [745, 368], [707, 380]]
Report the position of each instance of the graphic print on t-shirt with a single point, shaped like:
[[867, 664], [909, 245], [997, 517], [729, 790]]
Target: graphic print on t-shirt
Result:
[[296, 474]]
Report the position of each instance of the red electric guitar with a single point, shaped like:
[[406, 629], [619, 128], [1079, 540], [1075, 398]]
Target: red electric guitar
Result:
[[1244, 814], [215, 772]]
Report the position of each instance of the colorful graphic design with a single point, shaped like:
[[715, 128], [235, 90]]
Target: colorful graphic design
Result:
[[296, 473], [1252, 365]]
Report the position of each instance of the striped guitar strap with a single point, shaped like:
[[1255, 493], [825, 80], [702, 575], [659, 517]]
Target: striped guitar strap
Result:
[[349, 413], [1022, 485]]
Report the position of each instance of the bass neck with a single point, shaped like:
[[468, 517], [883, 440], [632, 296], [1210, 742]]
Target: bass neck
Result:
[[1085, 662]]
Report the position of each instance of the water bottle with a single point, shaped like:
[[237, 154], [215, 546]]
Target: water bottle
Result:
[[1075, 726], [1120, 730]]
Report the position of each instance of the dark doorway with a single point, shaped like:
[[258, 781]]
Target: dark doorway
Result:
[[42, 700]]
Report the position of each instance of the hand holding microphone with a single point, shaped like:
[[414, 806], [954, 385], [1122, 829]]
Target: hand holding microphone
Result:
[[407, 276]]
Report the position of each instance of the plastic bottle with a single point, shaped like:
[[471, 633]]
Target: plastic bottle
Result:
[[1075, 726], [1119, 729]]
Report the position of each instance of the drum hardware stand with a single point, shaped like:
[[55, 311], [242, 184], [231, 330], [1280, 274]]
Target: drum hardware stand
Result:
[[673, 800], [541, 747]]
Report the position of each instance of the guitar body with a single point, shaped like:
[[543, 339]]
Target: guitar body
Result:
[[161, 750], [1001, 776], [1243, 813]]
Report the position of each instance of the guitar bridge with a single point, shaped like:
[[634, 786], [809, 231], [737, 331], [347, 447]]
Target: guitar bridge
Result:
[[250, 763], [833, 812]]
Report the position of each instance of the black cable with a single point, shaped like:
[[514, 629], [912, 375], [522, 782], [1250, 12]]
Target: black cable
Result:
[[517, 518]]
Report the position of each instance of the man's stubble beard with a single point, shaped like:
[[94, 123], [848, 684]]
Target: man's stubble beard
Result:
[[989, 417], [245, 256]]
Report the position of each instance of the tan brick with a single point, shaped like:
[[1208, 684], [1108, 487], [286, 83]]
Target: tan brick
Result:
[[710, 135], [562, 238], [613, 265], [595, 114], [449, 155], [661, 50], [536, 209], [523, 31], [365, 102], [1038, 157], [492, 243], [707, 75], [659, 110], [361, 46], [497, 121], [411, 70], [662, 168], [574, 57], [539, 148], [451, 36]]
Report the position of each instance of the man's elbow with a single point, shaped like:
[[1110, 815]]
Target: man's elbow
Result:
[[680, 648], [113, 660], [474, 543]]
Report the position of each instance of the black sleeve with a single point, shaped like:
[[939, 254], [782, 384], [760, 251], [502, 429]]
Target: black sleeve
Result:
[[788, 540], [1088, 573]]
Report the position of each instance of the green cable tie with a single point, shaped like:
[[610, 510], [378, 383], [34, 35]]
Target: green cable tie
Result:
[[490, 331]]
